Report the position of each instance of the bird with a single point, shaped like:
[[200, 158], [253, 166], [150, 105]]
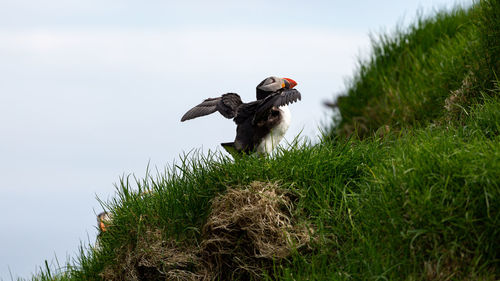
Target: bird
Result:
[[260, 124], [103, 221]]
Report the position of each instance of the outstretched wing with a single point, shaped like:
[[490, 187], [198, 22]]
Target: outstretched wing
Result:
[[227, 105], [285, 97]]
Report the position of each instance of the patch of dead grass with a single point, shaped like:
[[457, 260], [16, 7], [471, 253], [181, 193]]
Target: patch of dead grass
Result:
[[155, 258], [249, 228]]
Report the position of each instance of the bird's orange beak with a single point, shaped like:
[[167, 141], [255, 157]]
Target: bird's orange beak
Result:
[[102, 226], [291, 83]]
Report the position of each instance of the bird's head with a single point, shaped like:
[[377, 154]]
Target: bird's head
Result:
[[273, 84]]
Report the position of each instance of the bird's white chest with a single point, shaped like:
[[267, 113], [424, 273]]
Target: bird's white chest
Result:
[[274, 137]]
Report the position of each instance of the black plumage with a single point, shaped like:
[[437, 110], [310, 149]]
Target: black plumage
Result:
[[255, 119]]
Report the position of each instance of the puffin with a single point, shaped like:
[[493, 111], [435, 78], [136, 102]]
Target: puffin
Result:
[[103, 221], [260, 124]]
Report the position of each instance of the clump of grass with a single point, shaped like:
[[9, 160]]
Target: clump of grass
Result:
[[54, 272], [250, 229], [485, 116], [154, 258]]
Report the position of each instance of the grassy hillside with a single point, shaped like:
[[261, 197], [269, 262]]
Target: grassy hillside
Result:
[[406, 186], [430, 72]]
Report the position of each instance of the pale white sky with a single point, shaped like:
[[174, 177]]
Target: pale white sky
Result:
[[91, 91]]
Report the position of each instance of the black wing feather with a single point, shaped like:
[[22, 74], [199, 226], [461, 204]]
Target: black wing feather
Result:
[[208, 106], [227, 105], [285, 97]]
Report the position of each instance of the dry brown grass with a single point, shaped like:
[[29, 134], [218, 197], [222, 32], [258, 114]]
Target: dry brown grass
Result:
[[154, 258], [248, 230]]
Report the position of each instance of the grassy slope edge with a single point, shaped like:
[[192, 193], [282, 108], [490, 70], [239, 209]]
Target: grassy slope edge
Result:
[[412, 194]]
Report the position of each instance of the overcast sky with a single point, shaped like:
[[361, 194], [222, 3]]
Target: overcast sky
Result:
[[93, 90]]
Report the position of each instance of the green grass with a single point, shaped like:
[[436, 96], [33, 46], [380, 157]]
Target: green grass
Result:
[[410, 75], [417, 206], [405, 187]]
